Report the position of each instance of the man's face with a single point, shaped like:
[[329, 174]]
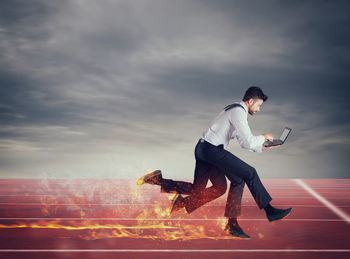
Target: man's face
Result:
[[254, 105]]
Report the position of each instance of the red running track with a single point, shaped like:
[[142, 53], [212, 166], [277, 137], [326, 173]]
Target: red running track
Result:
[[93, 218]]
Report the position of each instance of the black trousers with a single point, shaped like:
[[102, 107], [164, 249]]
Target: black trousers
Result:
[[214, 163]]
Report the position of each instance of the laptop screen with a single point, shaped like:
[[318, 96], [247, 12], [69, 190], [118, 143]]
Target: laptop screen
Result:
[[284, 134]]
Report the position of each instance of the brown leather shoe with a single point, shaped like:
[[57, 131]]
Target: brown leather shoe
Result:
[[154, 177]]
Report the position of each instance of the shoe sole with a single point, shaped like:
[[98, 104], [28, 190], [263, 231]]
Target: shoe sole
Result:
[[282, 217], [237, 237], [142, 180]]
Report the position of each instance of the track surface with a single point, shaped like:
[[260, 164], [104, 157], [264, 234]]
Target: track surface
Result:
[[93, 218]]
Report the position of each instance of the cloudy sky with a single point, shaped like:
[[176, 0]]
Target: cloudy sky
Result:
[[113, 89]]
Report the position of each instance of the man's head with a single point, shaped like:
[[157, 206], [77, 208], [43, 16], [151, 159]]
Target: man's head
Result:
[[253, 98]]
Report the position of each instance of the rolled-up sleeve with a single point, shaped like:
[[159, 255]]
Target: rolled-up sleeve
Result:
[[238, 118]]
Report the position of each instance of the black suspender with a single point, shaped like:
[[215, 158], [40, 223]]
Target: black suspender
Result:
[[228, 107]]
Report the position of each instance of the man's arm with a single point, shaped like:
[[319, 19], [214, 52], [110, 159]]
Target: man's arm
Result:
[[238, 119]]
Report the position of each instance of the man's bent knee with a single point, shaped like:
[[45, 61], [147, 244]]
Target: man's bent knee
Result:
[[220, 190]]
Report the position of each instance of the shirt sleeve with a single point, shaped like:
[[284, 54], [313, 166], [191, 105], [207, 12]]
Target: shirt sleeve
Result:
[[238, 118]]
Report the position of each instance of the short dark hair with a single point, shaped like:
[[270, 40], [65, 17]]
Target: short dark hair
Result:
[[254, 92]]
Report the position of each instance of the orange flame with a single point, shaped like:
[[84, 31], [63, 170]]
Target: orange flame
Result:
[[145, 225], [162, 230]]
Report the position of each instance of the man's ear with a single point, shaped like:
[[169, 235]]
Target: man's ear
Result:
[[251, 101]]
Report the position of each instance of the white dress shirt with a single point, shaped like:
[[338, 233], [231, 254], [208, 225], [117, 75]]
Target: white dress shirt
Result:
[[230, 124]]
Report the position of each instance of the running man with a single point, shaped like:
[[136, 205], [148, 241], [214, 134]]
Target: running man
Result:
[[214, 162]]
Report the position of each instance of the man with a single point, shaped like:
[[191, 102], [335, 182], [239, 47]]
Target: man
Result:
[[214, 162]]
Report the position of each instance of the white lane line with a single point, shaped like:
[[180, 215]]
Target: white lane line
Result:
[[176, 250], [321, 199], [155, 219]]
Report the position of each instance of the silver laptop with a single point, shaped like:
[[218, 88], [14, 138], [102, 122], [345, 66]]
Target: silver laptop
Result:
[[280, 141]]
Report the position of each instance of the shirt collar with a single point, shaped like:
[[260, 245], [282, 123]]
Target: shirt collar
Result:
[[244, 105]]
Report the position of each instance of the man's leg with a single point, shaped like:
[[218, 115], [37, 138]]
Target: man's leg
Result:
[[234, 198], [233, 208], [167, 185], [233, 167], [200, 194], [180, 187], [201, 177]]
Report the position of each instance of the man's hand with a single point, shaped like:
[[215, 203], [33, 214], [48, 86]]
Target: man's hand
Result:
[[266, 148], [268, 136]]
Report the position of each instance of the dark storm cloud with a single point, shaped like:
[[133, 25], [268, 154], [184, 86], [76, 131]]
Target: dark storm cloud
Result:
[[87, 81]]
